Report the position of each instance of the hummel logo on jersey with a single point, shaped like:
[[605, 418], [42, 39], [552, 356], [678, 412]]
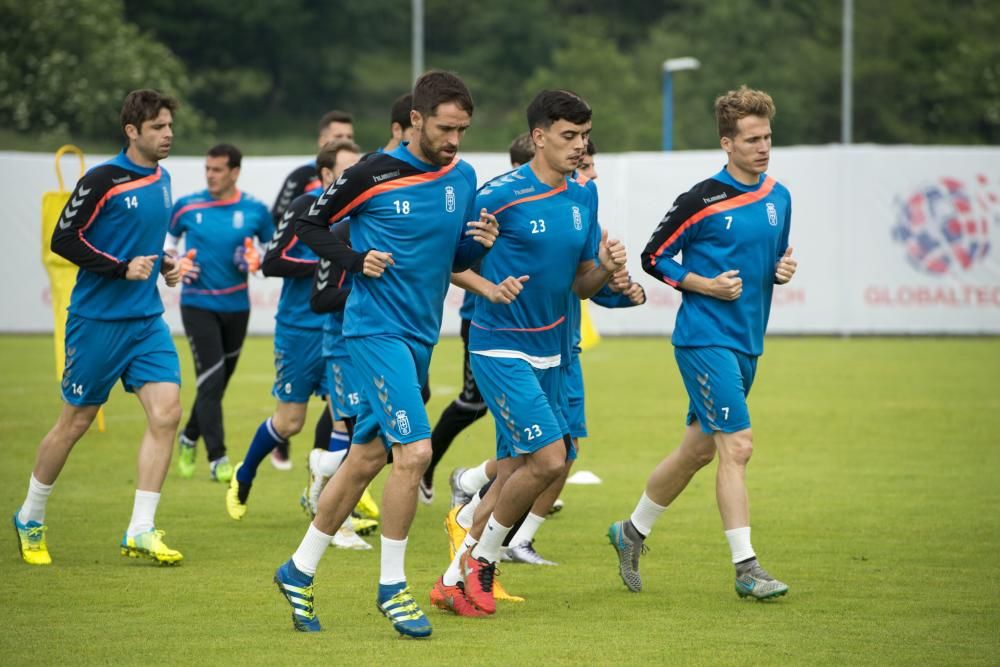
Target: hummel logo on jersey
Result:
[[322, 274], [449, 199], [386, 176], [322, 199], [123, 179], [525, 191], [74, 206], [709, 200]]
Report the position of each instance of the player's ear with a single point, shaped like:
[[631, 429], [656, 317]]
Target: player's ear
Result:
[[416, 120], [131, 131], [538, 137], [727, 144]]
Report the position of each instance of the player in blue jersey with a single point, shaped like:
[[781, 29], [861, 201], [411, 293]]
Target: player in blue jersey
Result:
[[411, 222], [113, 227], [550, 233], [217, 224], [733, 231]]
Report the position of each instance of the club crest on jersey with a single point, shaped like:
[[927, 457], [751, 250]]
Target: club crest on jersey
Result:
[[238, 220], [402, 422], [577, 219], [449, 199], [772, 214], [197, 218]]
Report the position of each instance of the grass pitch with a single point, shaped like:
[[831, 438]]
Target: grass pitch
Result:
[[873, 488]]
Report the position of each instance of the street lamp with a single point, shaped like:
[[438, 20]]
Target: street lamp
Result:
[[671, 65]]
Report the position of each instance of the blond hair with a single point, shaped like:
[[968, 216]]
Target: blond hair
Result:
[[737, 104]]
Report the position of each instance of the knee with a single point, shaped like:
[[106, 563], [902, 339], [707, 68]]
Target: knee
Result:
[[76, 424], [550, 462], [288, 425], [416, 457], [702, 456], [165, 416], [739, 447]]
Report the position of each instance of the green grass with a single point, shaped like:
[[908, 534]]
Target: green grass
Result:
[[873, 486]]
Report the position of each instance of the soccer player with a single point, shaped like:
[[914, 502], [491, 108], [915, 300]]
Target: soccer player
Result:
[[218, 225], [468, 407], [298, 351], [550, 233], [733, 231], [400, 126], [113, 228], [411, 210]]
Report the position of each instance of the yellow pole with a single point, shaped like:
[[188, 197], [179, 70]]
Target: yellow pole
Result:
[[62, 273]]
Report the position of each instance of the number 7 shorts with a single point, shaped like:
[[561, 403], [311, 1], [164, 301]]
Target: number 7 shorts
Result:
[[99, 352], [718, 381], [525, 403]]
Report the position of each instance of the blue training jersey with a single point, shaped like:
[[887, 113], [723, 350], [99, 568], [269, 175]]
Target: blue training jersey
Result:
[[118, 211], [216, 228], [416, 211], [295, 263], [545, 233], [719, 225]]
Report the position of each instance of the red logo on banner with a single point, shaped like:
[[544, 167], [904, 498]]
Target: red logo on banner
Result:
[[945, 226]]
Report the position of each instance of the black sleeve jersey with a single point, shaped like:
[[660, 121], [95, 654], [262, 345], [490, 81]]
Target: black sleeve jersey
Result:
[[277, 260], [301, 180]]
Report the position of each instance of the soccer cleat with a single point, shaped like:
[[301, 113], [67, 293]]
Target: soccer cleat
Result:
[[452, 598], [525, 553], [236, 509], [479, 574], [629, 545], [456, 534], [150, 545], [500, 593], [280, 458], [367, 507], [222, 469], [346, 538], [556, 507], [297, 587], [186, 460], [458, 494], [754, 581], [31, 542], [364, 526], [403, 611], [425, 492]]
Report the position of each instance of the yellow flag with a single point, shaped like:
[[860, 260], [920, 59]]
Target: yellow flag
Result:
[[589, 337], [62, 272]]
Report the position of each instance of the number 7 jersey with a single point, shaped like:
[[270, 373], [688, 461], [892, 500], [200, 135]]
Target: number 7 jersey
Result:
[[720, 225]]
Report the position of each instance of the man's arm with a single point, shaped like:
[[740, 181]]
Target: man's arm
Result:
[[505, 292], [591, 277], [293, 186], [277, 261], [328, 293], [78, 215]]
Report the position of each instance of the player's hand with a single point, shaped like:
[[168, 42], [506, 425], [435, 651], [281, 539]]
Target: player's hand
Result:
[[246, 257], [786, 267], [726, 286], [635, 294], [611, 254], [485, 230], [141, 267], [376, 263], [620, 281], [507, 290], [171, 270], [190, 269]]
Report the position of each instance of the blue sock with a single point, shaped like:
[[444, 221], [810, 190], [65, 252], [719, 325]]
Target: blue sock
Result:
[[338, 441], [386, 591], [263, 442]]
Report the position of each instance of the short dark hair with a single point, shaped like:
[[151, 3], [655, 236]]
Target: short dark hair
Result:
[[234, 158], [145, 104], [327, 156], [401, 111], [552, 105], [335, 116], [591, 148], [439, 87], [522, 149]]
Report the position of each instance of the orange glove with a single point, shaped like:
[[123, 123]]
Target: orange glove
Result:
[[190, 270], [246, 257]]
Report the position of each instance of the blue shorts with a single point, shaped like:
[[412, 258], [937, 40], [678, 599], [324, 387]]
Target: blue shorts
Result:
[[525, 402], [99, 352], [718, 381], [299, 371], [572, 398], [342, 386], [390, 371]]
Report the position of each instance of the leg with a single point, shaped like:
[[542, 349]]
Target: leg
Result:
[[730, 486], [204, 334], [55, 447], [399, 499], [161, 402], [671, 476]]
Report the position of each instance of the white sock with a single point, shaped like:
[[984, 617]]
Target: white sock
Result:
[[473, 479], [33, 508], [453, 574], [528, 528], [739, 543], [491, 540], [467, 514], [311, 550], [143, 512], [393, 559], [330, 461], [645, 515]]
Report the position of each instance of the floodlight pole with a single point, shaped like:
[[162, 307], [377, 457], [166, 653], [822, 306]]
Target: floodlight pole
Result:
[[847, 74], [417, 47], [670, 66]]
